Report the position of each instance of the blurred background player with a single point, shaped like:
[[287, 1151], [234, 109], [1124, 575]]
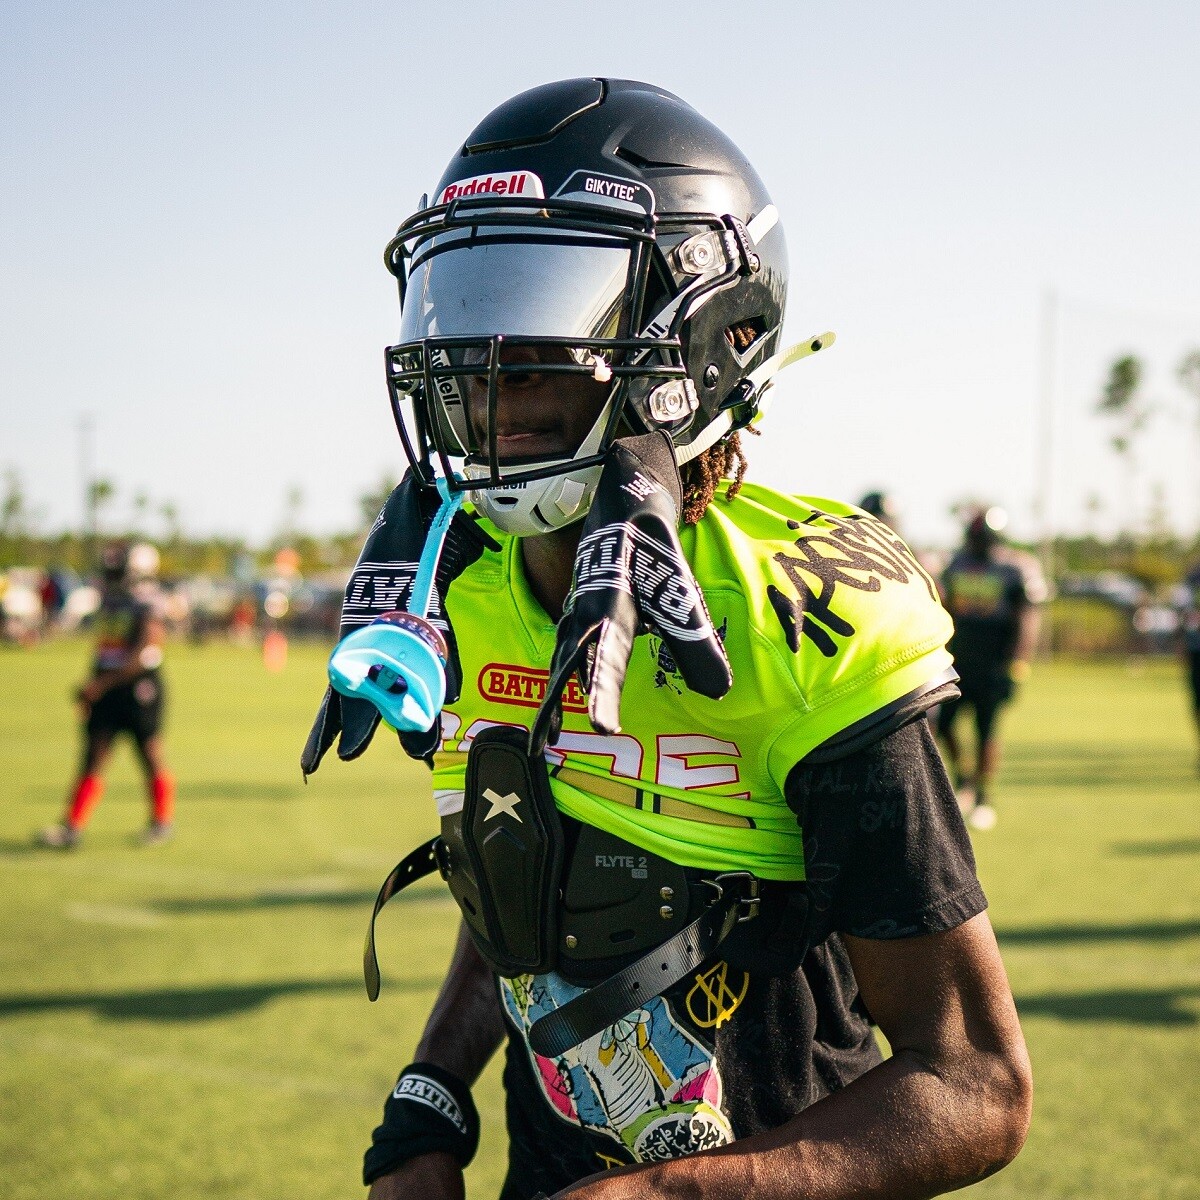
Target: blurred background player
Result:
[[993, 592], [1189, 629], [123, 695], [880, 506], [884, 508]]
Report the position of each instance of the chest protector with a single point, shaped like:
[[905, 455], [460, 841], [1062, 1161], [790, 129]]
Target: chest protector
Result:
[[503, 855]]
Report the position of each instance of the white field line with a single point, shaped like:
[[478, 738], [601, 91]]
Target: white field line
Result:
[[79, 1049]]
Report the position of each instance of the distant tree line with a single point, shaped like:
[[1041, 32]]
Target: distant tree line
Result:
[[25, 542], [1152, 553]]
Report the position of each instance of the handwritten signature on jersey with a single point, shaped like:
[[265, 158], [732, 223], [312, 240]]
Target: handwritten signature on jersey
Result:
[[856, 552]]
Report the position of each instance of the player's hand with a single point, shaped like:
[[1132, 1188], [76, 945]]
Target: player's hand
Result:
[[427, 1177], [631, 577], [381, 582]]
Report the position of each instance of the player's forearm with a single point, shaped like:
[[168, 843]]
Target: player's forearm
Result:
[[466, 1025], [908, 1129]]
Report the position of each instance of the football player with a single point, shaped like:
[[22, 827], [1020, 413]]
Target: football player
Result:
[[694, 867], [124, 694], [993, 592]]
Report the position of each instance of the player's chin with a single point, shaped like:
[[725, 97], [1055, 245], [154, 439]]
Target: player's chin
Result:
[[529, 449], [527, 453]]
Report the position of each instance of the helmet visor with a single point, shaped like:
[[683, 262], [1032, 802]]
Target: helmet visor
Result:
[[512, 282]]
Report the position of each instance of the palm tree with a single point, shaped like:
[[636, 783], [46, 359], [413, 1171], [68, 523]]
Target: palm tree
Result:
[[1189, 377], [1121, 401], [141, 506], [100, 495]]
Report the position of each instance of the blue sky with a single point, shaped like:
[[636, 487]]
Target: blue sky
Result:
[[194, 203]]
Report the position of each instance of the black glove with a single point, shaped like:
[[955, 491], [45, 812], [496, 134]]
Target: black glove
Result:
[[382, 581], [630, 577]]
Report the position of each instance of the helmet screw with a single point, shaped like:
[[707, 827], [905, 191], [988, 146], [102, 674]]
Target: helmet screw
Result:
[[712, 374], [673, 400], [572, 941], [755, 263], [666, 912]]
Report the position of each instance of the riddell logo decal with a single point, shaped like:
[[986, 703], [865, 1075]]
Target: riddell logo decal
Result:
[[519, 183], [526, 686]]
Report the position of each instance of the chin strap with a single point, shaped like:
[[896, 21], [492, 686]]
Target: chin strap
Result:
[[754, 389]]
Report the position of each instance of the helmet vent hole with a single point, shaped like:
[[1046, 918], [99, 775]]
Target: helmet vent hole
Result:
[[744, 334]]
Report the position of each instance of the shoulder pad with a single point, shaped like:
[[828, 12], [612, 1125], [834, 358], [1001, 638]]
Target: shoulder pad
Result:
[[849, 577], [863, 619]]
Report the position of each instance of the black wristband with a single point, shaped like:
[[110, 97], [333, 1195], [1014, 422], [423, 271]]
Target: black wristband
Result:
[[429, 1110]]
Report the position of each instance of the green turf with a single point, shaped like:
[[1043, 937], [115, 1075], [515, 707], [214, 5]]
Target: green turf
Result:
[[190, 1019]]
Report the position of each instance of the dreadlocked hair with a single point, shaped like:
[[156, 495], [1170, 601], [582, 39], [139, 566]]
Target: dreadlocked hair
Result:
[[725, 460], [703, 474]]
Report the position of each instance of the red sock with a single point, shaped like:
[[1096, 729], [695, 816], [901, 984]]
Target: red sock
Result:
[[87, 792], [162, 791]]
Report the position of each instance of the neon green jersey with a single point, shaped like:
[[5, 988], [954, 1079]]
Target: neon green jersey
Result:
[[826, 617]]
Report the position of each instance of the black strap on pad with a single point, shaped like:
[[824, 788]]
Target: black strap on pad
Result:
[[652, 974], [514, 839], [416, 865]]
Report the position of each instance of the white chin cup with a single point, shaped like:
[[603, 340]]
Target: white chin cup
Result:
[[540, 506]]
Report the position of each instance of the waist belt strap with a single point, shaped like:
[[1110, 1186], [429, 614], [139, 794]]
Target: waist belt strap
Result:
[[597, 1008], [650, 975], [416, 865]]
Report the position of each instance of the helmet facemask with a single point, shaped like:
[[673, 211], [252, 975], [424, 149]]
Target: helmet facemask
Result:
[[603, 293]]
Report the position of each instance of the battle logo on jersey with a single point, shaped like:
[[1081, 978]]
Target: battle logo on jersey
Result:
[[526, 687]]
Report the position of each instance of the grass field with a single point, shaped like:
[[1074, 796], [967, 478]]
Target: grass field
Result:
[[190, 1020]]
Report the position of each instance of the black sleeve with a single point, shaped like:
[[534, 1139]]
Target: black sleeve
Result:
[[886, 852]]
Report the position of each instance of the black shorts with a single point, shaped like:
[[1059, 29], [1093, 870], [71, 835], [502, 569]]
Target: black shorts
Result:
[[134, 708], [985, 689]]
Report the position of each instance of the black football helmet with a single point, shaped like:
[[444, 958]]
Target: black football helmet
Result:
[[881, 506], [607, 219]]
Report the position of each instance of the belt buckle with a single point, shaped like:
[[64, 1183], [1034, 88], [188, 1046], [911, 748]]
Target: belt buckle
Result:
[[748, 903]]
